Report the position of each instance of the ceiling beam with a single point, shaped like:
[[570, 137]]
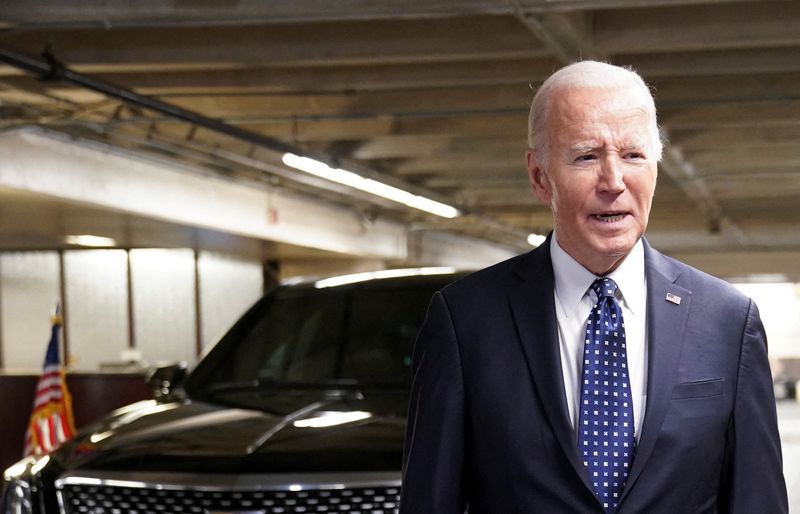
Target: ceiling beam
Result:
[[740, 187], [123, 13], [403, 82], [230, 47], [726, 62], [680, 100], [733, 114], [574, 5], [327, 79], [566, 35], [478, 100], [656, 67], [55, 70], [740, 137], [684, 176], [704, 27], [765, 155], [689, 91], [85, 174], [697, 102], [460, 163], [412, 146], [312, 129], [492, 181], [613, 32]]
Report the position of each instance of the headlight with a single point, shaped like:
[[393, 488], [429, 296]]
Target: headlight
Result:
[[16, 489]]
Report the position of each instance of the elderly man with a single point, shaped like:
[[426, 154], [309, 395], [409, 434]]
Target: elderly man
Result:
[[593, 374]]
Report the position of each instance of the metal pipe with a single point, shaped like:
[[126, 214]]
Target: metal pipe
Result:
[[52, 69]]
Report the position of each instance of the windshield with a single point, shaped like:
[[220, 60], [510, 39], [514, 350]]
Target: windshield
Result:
[[300, 337]]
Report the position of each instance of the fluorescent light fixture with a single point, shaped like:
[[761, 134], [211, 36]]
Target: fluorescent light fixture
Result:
[[387, 273], [356, 181], [332, 418], [89, 240], [536, 239]]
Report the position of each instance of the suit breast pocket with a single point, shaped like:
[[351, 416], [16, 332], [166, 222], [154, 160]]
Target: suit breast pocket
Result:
[[698, 417], [699, 389]]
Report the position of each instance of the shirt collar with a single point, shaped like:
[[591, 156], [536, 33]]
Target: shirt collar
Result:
[[572, 280]]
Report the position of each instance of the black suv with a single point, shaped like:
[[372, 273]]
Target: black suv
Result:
[[300, 408]]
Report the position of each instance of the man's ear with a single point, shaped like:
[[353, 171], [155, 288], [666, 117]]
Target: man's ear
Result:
[[537, 176]]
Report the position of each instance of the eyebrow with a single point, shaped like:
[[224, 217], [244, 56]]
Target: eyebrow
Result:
[[638, 142], [586, 146]]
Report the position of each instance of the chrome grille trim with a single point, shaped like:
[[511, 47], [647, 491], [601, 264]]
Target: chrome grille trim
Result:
[[227, 482], [104, 492]]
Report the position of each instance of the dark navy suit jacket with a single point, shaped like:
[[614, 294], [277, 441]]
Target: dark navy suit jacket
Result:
[[488, 425]]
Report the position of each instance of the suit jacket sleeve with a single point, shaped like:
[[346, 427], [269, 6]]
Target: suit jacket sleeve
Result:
[[433, 456], [754, 473]]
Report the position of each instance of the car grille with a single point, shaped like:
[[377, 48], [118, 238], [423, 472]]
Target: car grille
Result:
[[217, 494]]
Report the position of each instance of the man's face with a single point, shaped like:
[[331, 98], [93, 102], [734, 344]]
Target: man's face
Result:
[[600, 174]]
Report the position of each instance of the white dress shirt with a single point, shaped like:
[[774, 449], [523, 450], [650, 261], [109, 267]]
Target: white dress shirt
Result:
[[574, 300]]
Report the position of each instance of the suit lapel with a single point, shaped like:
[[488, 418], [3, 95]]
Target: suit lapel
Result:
[[533, 307], [667, 313]]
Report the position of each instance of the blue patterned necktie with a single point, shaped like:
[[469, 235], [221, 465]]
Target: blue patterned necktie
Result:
[[606, 433]]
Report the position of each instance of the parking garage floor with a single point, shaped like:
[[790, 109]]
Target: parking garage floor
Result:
[[789, 424]]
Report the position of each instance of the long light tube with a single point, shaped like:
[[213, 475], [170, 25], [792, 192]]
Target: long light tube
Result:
[[89, 240], [356, 181], [386, 273], [331, 419]]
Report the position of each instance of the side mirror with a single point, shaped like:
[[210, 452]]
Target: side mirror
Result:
[[165, 381]]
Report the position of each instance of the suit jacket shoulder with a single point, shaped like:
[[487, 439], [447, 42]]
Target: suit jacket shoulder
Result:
[[708, 291], [503, 277]]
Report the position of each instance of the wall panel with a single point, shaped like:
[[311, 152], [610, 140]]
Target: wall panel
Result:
[[228, 287], [97, 303], [164, 304], [29, 285]]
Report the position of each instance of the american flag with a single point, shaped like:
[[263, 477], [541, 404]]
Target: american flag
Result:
[[51, 421]]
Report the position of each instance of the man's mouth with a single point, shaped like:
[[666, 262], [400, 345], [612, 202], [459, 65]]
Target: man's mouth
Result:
[[609, 217]]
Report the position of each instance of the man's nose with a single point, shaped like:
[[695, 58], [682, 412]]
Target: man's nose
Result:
[[611, 179]]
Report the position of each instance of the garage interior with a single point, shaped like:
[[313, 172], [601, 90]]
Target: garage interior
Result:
[[431, 96], [163, 126]]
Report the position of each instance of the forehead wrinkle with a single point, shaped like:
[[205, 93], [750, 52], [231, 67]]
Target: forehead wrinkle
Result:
[[635, 141], [610, 119]]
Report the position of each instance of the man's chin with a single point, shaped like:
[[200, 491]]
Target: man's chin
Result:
[[612, 251]]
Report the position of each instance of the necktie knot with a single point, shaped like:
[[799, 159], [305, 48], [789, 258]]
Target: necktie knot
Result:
[[604, 288]]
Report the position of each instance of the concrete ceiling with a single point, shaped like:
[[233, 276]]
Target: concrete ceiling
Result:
[[434, 94]]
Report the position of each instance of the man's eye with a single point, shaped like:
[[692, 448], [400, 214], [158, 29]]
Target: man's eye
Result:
[[587, 157], [634, 155]]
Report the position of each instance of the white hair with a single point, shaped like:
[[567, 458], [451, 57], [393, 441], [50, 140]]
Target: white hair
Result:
[[585, 74]]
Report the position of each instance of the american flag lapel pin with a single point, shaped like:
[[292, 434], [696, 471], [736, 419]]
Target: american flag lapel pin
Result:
[[674, 298]]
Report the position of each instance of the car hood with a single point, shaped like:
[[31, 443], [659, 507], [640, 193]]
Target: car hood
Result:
[[293, 431]]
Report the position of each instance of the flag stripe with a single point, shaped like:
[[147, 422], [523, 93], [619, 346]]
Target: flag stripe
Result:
[[51, 420]]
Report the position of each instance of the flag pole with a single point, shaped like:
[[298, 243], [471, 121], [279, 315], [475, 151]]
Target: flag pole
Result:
[[52, 421]]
